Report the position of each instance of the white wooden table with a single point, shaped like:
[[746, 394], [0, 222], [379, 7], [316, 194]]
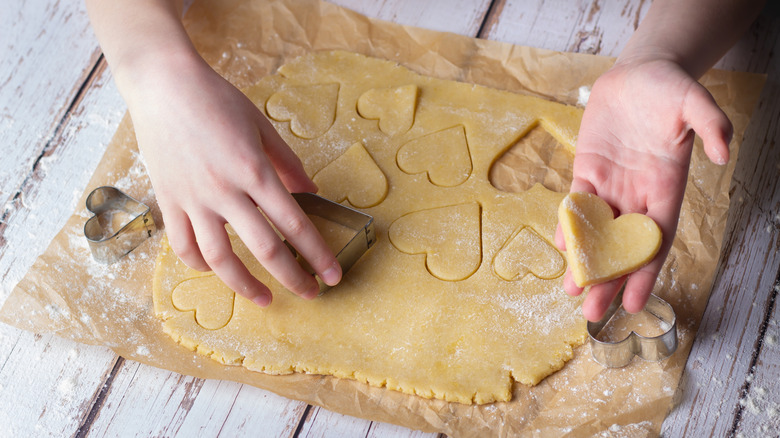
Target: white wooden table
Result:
[[59, 108]]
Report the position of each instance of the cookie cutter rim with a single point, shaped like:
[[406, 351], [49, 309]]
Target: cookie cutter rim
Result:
[[363, 224], [617, 354], [110, 248]]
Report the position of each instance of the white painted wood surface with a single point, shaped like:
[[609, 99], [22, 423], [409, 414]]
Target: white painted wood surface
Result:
[[59, 108]]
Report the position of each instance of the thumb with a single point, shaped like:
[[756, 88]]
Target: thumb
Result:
[[706, 118]]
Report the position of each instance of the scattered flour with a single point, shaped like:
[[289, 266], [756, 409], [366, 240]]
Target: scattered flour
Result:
[[65, 388]]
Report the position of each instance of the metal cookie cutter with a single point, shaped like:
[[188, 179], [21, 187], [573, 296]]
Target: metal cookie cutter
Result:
[[363, 224], [619, 354], [108, 240]]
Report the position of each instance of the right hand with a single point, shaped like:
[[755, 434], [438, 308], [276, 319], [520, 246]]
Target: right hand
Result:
[[213, 158]]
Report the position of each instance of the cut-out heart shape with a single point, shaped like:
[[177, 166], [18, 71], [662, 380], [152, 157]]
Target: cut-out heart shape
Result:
[[209, 298], [526, 252], [394, 107], [353, 176], [599, 247], [310, 109], [443, 154], [536, 157], [450, 237]]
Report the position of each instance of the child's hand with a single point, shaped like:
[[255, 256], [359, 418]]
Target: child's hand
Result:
[[634, 149], [213, 159]]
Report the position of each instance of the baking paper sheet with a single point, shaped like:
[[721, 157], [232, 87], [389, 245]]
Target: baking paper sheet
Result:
[[69, 294]]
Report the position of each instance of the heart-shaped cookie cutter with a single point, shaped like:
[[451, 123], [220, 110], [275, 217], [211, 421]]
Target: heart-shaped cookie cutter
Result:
[[363, 224], [107, 243], [619, 354]]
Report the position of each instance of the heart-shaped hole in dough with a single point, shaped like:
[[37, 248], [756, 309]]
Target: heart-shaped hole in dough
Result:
[[353, 176], [526, 252]]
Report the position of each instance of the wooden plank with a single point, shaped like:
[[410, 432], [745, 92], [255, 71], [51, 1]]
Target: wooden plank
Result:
[[604, 28], [728, 346], [385, 430], [49, 383], [760, 405], [322, 423], [585, 27], [50, 192], [463, 17], [46, 383], [50, 52], [145, 401]]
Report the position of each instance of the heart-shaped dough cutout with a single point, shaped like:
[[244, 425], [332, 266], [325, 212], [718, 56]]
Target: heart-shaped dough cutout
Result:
[[526, 252], [353, 176], [208, 297], [443, 154], [310, 109], [394, 107], [599, 247], [450, 237]]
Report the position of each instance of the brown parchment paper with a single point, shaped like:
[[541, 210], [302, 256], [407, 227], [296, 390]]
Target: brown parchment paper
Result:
[[67, 293]]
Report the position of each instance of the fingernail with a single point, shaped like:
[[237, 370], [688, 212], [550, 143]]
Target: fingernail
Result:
[[262, 300], [332, 275]]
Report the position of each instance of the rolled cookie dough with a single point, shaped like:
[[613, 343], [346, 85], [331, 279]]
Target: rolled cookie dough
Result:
[[462, 293]]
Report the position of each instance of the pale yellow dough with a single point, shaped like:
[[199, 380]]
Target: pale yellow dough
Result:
[[462, 293], [598, 246]]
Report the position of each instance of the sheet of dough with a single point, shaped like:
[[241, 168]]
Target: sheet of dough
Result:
[[462, 292]]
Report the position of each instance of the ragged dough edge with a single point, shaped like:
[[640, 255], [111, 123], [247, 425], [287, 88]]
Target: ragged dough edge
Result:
[[387, 382], [235, 358], [193, 345], [565, 355]]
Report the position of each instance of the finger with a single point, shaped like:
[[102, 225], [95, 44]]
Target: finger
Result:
[[215, 246], [560, 242], [270, 250], [295, 226], [288, 166], [570, 286], [640, 284], [182, 239], [710, 122], [600, 296], [582, 185]]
